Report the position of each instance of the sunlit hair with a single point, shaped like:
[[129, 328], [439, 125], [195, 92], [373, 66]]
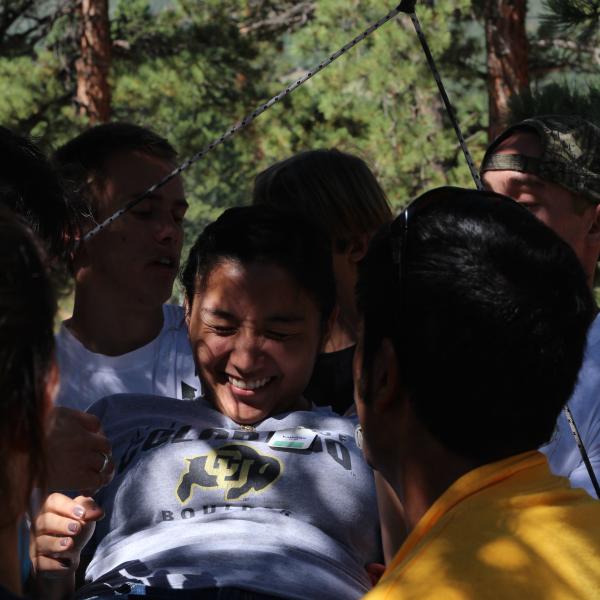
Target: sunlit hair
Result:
[[488, 311], [27, 309], [335, 189], [81, 161], [265, 235]]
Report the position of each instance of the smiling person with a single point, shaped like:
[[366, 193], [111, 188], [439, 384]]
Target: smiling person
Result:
[[551, 165], [474, 326], [250, 492], [122, 336]]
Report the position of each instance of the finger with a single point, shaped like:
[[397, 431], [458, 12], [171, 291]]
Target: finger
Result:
[[62, 505], [48, 566], [88, 421], [94, 442], [68, 417], [56, 525], [54, 546], [93, 511]]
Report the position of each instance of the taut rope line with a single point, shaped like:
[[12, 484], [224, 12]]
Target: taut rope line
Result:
[[244, 122]]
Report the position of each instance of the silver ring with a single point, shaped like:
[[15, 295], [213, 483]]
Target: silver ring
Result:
[[105, 463]]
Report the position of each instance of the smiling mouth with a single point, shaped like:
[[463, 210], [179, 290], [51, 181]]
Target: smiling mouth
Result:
[[249, 384]]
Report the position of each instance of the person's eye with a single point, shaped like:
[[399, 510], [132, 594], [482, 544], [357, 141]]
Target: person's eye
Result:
[[279, 336], [223, 330], [142, 213], [178, 218]]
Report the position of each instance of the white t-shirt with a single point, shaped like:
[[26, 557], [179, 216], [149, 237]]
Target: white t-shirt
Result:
[[163, 367], [199, 501], [562, 451]]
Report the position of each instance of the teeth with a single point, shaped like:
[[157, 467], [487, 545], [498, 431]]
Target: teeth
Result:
[[165, 261], [248, 385]]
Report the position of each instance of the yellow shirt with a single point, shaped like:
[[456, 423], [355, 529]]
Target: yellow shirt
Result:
[[509, 529]]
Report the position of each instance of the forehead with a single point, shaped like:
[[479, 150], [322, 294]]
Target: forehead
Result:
[[256, 288], [128, 174], [524, 142]]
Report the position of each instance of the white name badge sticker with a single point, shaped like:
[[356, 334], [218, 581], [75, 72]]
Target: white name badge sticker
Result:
[[299, 438]]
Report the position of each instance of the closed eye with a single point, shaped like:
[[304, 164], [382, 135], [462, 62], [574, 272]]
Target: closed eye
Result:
[[279, 335]]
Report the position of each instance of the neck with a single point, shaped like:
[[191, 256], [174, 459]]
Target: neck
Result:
[[107, 325], [421, 479], [343, 334], [9, 559]]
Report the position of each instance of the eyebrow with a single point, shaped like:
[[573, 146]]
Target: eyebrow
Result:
[[223, 314], [155, 196]]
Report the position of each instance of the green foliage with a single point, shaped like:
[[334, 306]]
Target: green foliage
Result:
[[378, 101], [558, 99], [191, 68]]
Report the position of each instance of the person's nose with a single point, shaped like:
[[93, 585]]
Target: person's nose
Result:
[[167, 228], [247, 355]]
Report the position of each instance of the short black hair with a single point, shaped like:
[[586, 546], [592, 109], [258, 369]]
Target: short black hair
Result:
[[488, 318], [30, 188], [27, 309], [264, 234], [80, 162]]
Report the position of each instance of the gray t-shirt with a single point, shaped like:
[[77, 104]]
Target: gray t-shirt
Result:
[[199, 501]]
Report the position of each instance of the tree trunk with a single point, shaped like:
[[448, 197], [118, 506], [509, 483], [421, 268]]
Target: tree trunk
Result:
[[93, 90], [507, 51]]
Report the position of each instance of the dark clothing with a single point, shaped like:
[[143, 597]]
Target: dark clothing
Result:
[[331, 382], [6, 595]]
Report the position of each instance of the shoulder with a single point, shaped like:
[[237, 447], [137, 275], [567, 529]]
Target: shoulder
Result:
[[174, 317]]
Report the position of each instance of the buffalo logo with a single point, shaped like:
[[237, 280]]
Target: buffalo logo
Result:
[[235, 468]]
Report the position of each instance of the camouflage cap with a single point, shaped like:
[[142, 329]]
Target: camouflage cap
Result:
[[570, 153]]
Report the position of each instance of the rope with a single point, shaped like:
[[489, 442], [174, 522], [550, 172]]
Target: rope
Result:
[[408, 7], [243, 123]]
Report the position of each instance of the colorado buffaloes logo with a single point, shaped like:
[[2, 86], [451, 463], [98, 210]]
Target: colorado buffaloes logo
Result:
[[237, 469]]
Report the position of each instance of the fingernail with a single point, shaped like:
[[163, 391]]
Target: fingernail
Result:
[[65, 541], [79, 511], [73, 527]]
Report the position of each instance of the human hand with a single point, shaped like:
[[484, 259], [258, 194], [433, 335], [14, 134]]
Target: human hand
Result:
[[78, 452], [61, 529]]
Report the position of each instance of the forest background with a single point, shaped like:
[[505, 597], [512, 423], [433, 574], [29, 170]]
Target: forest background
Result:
[[189, 69]]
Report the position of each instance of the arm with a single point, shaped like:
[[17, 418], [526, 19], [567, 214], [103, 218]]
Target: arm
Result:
[[61, 530]]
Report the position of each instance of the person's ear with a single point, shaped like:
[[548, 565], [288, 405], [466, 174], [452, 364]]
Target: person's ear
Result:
[[594, 229], [187, 311], [384, 379], [358, 246]]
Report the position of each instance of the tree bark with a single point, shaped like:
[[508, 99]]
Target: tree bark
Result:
[[93, 90], [507, 57]]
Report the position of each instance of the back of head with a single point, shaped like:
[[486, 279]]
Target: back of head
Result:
[[27, 308], [335, 189], [570, 153], [30, 187], [488, 311], [267, 235], [81, 160]]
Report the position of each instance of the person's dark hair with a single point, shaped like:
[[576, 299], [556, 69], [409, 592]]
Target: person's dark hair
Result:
[[81, 161], [264, 234], [30, 187], [27, 309], [488, 319], [335, 189]]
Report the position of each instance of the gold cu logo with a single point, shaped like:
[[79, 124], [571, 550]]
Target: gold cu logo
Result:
[[237, 469]]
